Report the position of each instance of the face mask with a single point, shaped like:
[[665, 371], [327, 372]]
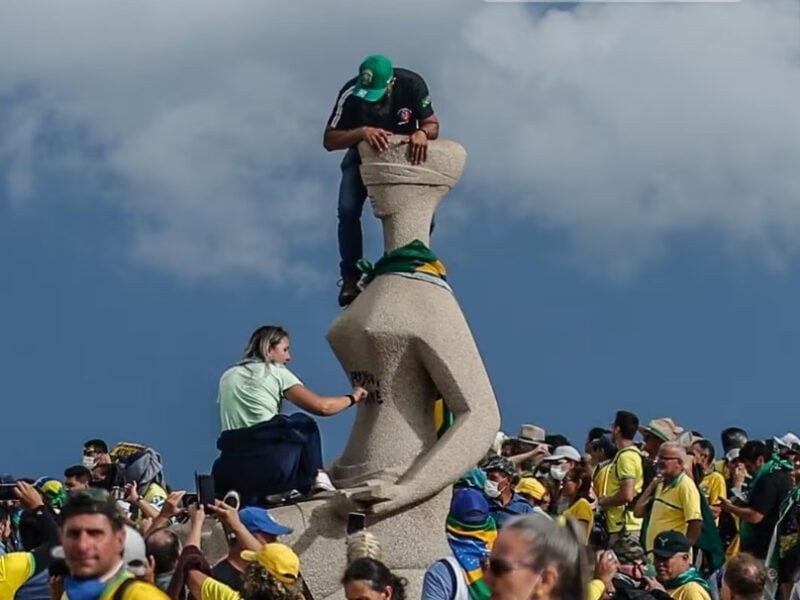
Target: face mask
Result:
[[89, 462], [491, 489], [558, 472], [83, 589]]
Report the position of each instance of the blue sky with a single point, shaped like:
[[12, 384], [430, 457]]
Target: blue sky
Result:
[[625, 235]]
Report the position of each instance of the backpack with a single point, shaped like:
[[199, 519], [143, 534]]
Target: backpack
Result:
[[138, 464]]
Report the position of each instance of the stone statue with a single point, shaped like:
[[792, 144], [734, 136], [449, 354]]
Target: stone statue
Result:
[[406, 340]]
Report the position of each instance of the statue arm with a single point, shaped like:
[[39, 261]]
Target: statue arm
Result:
[[460, 377]]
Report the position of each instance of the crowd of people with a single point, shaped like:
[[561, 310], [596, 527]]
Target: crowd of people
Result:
[[639, 511]]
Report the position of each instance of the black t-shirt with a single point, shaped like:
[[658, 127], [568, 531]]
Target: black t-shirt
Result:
[[227, 574], [399, 112], [765, 498]]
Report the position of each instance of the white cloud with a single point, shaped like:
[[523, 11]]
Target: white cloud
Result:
[[622, 126]]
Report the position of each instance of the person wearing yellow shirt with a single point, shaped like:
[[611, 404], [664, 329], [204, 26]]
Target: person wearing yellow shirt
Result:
[[16, 568], [577, 489], [672, 498], [712, 485], [602, 451], [93, 540], [674, 571], [625, 478], [272, 573]]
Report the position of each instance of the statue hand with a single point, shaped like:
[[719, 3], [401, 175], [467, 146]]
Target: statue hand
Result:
[[374, 498]]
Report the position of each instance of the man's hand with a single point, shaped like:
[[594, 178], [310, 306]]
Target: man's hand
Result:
[[606, 567], [131, 493], [150, 570], [738, 475], [418, 147], [171, 508], [227, 515], [377, 138], [726, 505], [28, 495], [197, 515]]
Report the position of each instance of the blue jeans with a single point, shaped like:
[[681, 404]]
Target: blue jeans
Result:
[[352, 194]]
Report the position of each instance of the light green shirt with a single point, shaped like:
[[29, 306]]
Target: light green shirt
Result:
[[252, 393]]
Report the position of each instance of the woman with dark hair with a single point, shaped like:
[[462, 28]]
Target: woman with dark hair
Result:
[[577, 489], [264, 452], [370, 579]]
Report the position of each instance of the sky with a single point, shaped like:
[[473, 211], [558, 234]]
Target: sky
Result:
[[626, 233]]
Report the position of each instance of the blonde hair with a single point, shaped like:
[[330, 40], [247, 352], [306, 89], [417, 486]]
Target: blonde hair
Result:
[[363, 544], [262, 341]]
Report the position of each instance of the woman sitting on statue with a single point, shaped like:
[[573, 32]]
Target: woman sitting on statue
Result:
[[262, 451]]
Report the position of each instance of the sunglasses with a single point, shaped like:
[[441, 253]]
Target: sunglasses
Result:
[[501, 566]]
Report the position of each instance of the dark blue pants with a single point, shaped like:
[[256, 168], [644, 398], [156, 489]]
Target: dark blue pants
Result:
[[280, 455]]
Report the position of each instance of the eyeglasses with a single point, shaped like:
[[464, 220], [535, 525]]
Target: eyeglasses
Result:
[[501, 566], [666, 458]]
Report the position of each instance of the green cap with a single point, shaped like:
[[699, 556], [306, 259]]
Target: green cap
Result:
[[374, 76]]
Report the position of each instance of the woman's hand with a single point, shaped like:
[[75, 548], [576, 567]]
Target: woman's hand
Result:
[[360, 394]]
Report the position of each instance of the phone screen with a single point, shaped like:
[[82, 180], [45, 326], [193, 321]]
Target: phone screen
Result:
[[205, 489], [356, 522]]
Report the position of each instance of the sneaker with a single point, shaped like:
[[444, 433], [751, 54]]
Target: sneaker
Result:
[[232, 499], [323, 483], [349, 291]]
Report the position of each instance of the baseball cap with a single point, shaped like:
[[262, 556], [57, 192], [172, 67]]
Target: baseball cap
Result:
[[787, 440], [669, 543], [134, 553], [531, 487], [502, 464], [605, 443], [278, 560], [374, 75], [258, 520], [469, 506], [564, 453]]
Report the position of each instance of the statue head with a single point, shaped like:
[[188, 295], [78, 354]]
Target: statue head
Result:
[[394, 184]]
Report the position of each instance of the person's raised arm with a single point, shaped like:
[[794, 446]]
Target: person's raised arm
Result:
[[31, 500], [169, 510], [323, 406], [132, 495], [229, 517]]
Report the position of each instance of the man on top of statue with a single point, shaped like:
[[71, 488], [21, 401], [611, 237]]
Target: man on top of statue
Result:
[[381, 101]]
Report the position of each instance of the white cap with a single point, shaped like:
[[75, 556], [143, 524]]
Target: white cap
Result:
[[787, 440], [733, 454], [135, 552], [499, 439], [565, 453]]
